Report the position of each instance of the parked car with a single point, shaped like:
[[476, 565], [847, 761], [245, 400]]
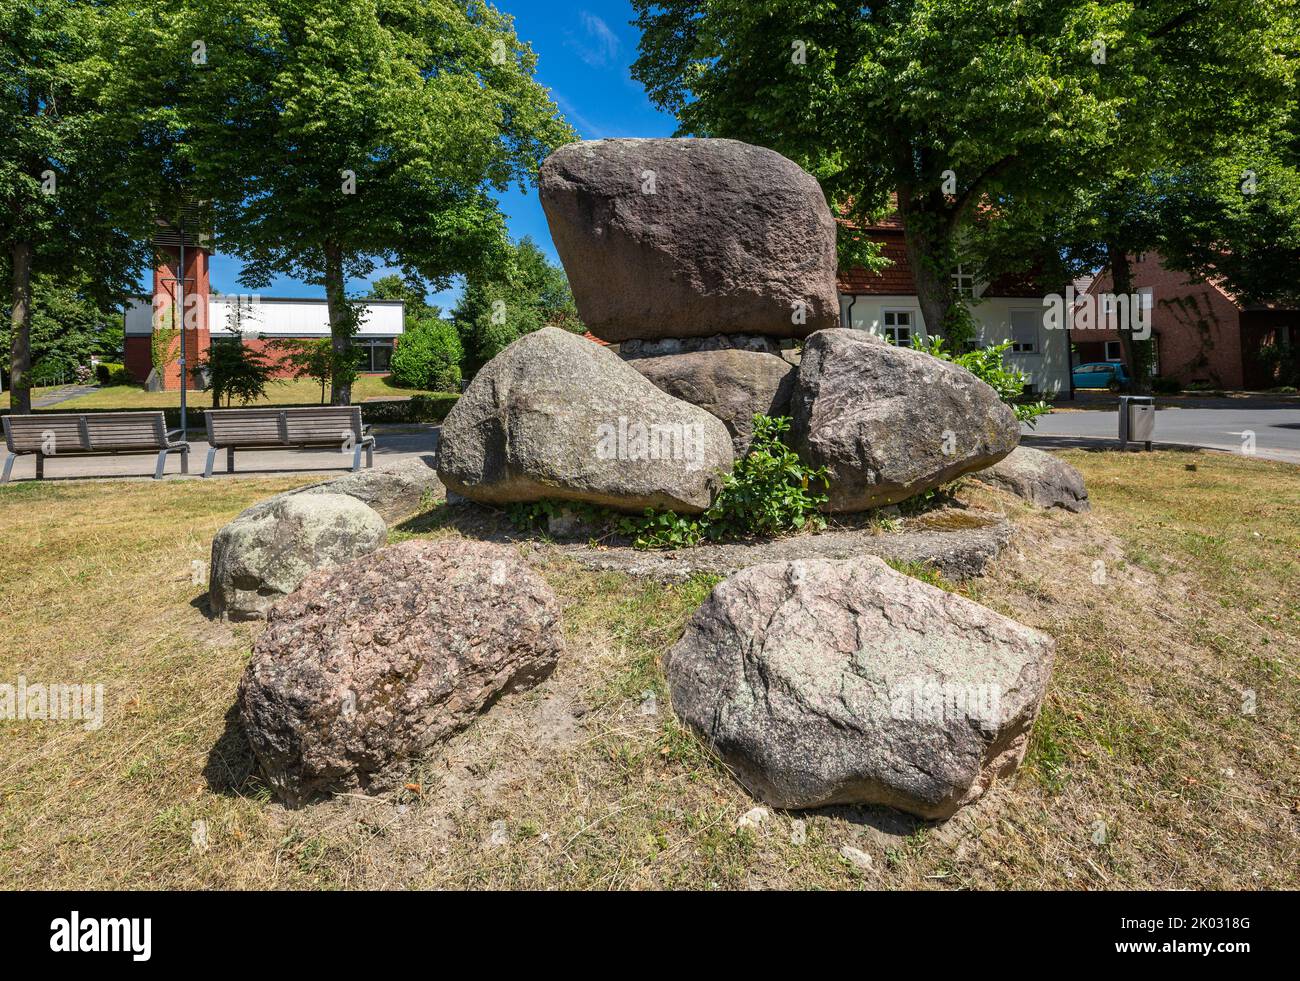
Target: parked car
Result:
[[1101, 374]]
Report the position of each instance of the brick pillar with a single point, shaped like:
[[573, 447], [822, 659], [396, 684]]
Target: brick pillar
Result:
[[197, 293]]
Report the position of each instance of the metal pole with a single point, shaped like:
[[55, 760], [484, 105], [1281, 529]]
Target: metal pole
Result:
[[180, 289]]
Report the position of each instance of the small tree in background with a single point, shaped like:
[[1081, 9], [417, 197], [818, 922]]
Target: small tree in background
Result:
[[309, 359], [530, 294], [236, 371]]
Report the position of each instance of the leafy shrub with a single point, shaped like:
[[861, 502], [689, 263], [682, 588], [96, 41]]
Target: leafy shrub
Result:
[[428, 356], [989, 366], [769, 492], [108, 373], [1166, 386]]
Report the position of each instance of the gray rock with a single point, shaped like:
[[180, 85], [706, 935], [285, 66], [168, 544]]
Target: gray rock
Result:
[[889, 422], [1039, 477], [734, 239], [730, 384], [957, 544], [848, 683], [395, 491], [638, 348], [556, 416], [263, 554], [370, 663]]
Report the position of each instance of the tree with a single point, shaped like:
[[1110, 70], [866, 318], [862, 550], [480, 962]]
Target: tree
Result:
[[394, 287], [61, 148], [309, 359], [957, 107], [236, 371], [336, 135], [529, 293], [68, 327]]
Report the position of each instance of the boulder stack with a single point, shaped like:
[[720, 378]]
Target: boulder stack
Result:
[[699, 258]]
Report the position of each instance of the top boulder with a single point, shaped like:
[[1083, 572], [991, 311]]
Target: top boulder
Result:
[[690, 238]]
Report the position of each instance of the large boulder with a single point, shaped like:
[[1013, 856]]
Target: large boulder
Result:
[[557, 416], [690, 237], [890, 422], [845, 682], [369, 664], [263, 554], [730, 384], [1040, 478]]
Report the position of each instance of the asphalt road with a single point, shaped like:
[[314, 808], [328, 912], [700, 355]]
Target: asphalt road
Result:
[[1213, 424]]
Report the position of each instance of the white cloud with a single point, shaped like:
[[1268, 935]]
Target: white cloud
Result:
[[601, 45]]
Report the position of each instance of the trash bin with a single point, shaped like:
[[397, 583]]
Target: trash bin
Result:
[[1137, 419]]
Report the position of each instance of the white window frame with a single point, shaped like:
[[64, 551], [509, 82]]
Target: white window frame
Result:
[[1035, 318], [1119, 351], [910, 326], [958, 276]]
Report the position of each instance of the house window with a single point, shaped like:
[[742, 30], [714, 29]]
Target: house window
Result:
[[1024, 331], [964, 281], [374, 355], [1113, 351], [898, 327]]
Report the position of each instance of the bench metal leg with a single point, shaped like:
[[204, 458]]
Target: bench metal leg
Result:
[[185, 461], [40, 466], [230, 459], [162, 465], [370, 456], [356, 458], [9, 468], [212, 456]]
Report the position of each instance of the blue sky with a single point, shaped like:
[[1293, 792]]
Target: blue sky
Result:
[[584, 54]]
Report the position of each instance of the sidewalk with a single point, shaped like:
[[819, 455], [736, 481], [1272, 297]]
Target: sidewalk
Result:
[[392, 445]]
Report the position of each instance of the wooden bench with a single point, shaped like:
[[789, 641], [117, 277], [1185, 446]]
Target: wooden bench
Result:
[[50, 434], [269, 429]]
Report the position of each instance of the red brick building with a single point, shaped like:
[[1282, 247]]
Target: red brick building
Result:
[[1200, 332]]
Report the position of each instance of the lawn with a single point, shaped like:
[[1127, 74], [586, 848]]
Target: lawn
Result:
[[36, 394], [301, 391], [1167, 754]]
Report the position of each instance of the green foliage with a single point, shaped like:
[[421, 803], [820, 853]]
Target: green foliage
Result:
[[988, 364], [307, 358], [528, 293], [236, 371], [1166, 386], [107, 373], [769, 492], [428, 356], [333, 137]]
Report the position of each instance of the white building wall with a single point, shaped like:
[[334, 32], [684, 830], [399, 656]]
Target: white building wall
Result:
[[1048, 367], [277, 318]]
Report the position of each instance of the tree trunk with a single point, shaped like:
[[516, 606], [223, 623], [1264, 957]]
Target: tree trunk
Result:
[[928, 248], [1134, 353], [20, 363], [340, 327]]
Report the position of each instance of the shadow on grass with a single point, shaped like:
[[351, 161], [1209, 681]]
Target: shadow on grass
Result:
[[231, 769]]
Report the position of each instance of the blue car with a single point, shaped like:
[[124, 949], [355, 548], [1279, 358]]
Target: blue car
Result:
[[1101, 374]]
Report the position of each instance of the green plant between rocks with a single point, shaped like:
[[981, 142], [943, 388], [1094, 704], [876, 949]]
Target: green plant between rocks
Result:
[[988, 365], [769, 492]]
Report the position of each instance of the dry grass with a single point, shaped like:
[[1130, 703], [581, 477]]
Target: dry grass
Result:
[[1143, 771]]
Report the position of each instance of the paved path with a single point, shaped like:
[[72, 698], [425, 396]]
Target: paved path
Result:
[[391, 446], [64, 394], [1219, 424]]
